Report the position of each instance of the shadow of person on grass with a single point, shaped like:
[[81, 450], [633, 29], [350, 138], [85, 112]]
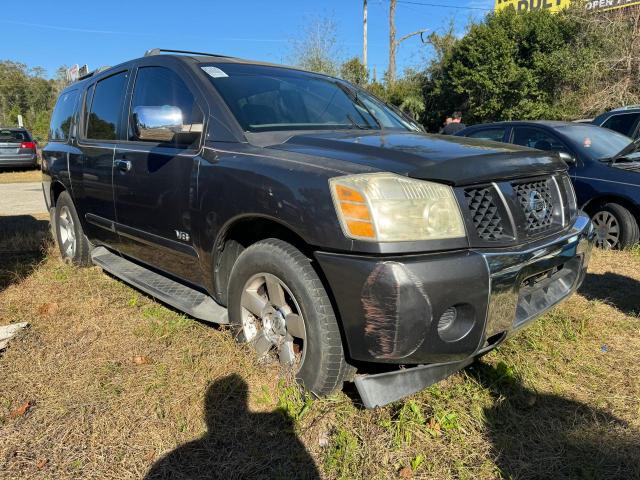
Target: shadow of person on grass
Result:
[[538, 436], [620, 291], [238, 444]]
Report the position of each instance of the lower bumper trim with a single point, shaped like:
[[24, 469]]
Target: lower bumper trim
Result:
[[383, 388]]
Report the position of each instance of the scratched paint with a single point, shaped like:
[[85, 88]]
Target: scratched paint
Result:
[[396, 308]]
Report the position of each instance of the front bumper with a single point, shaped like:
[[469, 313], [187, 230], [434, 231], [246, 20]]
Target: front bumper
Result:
[[391, 308]]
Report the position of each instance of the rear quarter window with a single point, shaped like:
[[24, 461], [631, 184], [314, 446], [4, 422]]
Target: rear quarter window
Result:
[[62, 117]]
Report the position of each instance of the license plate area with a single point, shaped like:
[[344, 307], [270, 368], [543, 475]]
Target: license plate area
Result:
[[540, 291]]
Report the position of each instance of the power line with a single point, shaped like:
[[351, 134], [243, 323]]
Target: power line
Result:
[[457, 7]]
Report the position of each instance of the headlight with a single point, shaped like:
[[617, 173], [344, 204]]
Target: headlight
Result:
[[385, 207]]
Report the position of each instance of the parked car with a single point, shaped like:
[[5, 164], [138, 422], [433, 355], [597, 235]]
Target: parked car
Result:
[[604, 166], [625, 120], [17, 148], [325, 228]]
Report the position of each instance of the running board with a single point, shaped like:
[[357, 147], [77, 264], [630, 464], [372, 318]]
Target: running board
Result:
[[185, 299]]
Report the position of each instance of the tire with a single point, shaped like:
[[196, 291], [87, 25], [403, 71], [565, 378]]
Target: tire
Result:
[[278, 282], [616, 227], [72, 242]]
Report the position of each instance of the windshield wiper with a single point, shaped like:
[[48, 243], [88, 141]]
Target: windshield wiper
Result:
[[368, 126], [633, 147], [353, 95]]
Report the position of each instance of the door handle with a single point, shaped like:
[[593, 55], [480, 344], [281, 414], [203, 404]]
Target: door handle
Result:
[[123, 165]]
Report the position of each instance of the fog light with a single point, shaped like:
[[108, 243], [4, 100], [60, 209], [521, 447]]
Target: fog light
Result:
[[447, 318], [456, 322]]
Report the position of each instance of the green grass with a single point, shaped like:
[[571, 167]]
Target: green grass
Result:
[[560, 397]]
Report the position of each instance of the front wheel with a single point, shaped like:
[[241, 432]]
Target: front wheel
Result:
[[616, 227], [278, 305], [73, 244]]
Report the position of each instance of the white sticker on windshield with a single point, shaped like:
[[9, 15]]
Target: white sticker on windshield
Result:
[[214, 72]]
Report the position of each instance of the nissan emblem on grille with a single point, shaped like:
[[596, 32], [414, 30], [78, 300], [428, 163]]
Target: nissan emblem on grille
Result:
[[537, 205]]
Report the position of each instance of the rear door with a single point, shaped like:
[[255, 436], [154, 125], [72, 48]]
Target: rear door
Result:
[[92, 178], [156, 182]]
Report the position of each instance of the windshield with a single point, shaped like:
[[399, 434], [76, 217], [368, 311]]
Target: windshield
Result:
[[596, 142], [269, 98]]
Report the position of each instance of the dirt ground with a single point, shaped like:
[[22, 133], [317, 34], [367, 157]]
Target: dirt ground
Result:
[[20, 175], [108, 384]]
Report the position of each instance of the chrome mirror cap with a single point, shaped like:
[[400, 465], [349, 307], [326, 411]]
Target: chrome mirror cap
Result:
[[159, 124]]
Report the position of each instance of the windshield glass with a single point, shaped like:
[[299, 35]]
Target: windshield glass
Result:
[[596, 142], [269, 98]]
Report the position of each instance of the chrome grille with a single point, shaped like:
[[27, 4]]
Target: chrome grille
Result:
[[537, 204], [484, 213]]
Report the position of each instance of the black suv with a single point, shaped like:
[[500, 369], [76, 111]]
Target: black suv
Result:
[[326, 228], [625, 120]]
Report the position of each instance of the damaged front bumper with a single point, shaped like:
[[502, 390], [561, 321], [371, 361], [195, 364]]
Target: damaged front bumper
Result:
[[436, 312]]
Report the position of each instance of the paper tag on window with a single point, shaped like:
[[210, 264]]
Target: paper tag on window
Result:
[[214, 72]]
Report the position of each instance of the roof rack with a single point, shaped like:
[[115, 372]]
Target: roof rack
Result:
[[93, 72], [160, 51]]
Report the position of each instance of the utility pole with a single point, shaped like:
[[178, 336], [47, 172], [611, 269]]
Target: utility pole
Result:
[[391, 73], [364, 34]]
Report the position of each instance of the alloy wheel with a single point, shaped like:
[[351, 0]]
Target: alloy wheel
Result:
[[272, 321], [607, 230], [67, 232]]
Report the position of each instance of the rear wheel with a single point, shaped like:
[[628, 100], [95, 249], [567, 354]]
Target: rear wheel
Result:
[[278, 305], [73, 244], [616, 227]]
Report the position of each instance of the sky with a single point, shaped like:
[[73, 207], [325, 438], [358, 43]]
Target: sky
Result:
[[49, 34]]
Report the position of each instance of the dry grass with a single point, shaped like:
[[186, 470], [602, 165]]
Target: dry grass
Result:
[[21, 175], [123, 387]]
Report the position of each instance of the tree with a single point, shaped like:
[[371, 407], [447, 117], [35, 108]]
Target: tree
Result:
[[355, 72], [512, 66], [317, 48]]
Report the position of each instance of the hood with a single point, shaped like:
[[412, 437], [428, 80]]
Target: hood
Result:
[[452, 160]]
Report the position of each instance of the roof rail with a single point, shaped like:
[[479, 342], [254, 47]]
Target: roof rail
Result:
[[626, 107], [94, 72], [160, 51]]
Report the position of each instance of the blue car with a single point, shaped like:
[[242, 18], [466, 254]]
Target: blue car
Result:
[[604, 166]]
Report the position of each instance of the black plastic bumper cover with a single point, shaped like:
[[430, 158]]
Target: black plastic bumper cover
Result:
[[389, 307]]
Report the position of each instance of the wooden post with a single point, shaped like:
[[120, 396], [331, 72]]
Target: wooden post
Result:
[[391, 73], [364, 33]]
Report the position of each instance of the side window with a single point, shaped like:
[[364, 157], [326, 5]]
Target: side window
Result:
[[624, 123], [160, 86], [63, 116], [495, 134], [104, 115], [536, 138]]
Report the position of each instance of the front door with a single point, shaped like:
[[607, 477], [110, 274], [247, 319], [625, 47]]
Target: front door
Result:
[[155, 182]]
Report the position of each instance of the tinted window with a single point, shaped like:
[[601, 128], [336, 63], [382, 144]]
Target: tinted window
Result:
[[624, 123], [495, 134], [104, 114], [266, 99], [595, 142], [158, 87], [63, 116], [537, 138], [14, 136]]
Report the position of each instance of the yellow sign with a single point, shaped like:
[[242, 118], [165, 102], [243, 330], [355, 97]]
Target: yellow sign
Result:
[[557, 5], [528, 5]]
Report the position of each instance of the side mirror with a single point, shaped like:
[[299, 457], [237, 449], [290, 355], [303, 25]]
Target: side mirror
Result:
[[158, 124], [567, 158]]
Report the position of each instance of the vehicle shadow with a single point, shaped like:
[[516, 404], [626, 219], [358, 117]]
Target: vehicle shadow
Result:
[[620, 291], [238, 443], [24, 241], [547, 436]]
